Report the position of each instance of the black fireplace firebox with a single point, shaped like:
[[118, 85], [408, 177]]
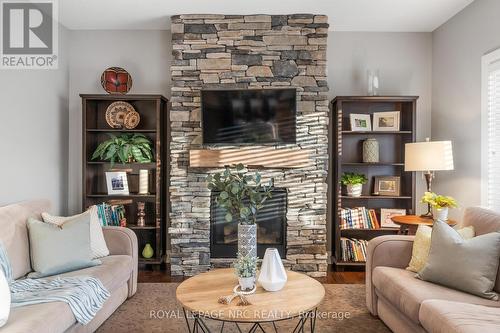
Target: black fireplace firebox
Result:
[[271, 227]]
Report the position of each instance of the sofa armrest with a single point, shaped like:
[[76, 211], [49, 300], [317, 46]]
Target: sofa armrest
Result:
[[391, 251], [124, 241]]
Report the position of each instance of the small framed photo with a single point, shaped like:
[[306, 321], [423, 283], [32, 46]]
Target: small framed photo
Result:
[[360, 122], [386, 121], [117, 182], [387, 185], [386, 214]]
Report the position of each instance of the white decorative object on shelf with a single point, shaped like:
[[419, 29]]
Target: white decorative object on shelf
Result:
[[143, 181], [354, 190], [441, 214], [272, 273]]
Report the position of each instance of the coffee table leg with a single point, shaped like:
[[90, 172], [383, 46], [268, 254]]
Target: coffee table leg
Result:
[[197, 324]]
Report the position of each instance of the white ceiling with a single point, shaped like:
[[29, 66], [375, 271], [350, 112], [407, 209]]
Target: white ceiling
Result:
[[344, 15]]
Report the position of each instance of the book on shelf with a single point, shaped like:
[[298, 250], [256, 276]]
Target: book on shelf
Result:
[[111, 215], [358, 218], [353, 249]]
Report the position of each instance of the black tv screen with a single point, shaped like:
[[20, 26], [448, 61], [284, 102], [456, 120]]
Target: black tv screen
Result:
[[248, 116]]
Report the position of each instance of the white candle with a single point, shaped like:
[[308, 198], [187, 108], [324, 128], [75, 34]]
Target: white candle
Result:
[[143, 181]]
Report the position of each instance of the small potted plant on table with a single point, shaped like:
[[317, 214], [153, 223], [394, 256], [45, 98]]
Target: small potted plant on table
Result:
[[246, 268], [440, 204], [354, 183]]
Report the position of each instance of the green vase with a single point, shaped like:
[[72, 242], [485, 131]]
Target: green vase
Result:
[[148, 251]]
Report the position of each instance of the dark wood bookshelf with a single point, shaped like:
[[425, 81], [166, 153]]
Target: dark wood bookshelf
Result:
[[347, 157], [153, 110]]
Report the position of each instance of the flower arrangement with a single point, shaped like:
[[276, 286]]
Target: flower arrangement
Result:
[[245, 266], [439, 201]]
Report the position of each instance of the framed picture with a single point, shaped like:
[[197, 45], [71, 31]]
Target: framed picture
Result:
[[117, 182], [387, 185], [360, 122], [386, 214], [386, 121]]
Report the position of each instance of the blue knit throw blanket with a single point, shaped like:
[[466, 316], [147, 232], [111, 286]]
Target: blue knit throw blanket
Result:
[[84, 295]]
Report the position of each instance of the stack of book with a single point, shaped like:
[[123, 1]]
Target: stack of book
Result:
[[358, 218], [111, 215], [353, 249]]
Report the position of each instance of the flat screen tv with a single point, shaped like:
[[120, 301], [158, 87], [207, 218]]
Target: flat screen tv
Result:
[[248, 116]]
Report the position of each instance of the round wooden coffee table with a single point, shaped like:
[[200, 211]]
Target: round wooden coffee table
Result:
[[298, 299], [408, 224]]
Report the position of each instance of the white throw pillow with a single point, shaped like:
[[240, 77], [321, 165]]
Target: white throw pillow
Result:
[[97, 242], [4, 299]]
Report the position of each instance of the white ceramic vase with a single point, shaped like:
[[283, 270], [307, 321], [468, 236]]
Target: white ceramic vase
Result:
[[354, 190], [246, 283], [272, 273], [441, 214], [4, 299]]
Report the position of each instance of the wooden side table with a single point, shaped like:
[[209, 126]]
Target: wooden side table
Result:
[[408, 224]]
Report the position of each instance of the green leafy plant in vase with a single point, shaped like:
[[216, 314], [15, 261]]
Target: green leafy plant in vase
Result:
[[246, 270], [440, 204], [353, 182], [125, 148], [241, 195]]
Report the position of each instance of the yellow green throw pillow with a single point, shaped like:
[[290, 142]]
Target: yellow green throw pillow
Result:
[[422, 245]]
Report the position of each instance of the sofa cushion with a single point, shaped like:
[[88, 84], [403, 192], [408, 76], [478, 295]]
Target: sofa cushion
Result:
[[484, 221], [14, 235], [438, 316], [61, 249], [97, 243], [41, 318], [113, 272], [406, 292], [469, 265]]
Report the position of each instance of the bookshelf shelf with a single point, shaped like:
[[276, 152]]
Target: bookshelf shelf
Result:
[[372, 164], [376, 197], [153, 110], [346, 150]]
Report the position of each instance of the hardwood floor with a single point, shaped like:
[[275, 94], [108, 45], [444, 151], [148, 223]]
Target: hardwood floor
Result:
[[162, 275]]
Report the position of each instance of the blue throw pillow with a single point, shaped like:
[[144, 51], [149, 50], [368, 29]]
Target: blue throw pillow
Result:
[[59, 249]]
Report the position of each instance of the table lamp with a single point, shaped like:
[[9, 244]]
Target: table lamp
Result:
[[428, 156]]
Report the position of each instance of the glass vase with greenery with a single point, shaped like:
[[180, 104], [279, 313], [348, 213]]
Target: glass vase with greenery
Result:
[[241, 195]]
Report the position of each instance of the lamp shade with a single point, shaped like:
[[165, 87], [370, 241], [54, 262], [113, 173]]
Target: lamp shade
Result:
[[428, 156]]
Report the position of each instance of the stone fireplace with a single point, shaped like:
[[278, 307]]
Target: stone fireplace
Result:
[[249, 52]]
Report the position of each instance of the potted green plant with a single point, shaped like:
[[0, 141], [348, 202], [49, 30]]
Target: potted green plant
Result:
[[246, 269], [353, 182], [125, 148], [242, 195], [440, 204]]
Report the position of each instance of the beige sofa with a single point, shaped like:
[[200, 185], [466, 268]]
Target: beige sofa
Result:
[[118, 273], [407, 304]]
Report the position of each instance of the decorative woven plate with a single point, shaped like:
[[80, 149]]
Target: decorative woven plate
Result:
[[116, 80], [131, 120], [116, 112]]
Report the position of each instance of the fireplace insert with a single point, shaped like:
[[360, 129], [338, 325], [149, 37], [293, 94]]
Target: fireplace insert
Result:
[[271, 227]]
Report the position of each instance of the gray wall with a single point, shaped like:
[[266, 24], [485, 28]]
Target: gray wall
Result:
[[144, 54], [458, 46], [34, 133], [404, 61]]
